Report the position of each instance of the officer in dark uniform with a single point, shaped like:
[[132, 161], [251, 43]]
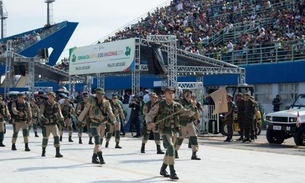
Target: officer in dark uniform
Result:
[[240, 103], [229, 118], [250, 112]]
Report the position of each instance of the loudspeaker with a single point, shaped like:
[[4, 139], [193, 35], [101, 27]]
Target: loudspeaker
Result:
[[43, 53], [155, 62], [19, 70]]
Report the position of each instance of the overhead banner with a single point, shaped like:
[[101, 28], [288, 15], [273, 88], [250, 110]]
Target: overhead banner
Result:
[[109, 57]]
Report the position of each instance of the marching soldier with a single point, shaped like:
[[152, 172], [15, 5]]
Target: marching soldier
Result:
[[254, 123], [167, 112], [79, 108], [115, 127], [4, 112], [99, 111], [229, 118], [187, 127], [153, 99], [250, 112], [50, 116], [22, 117], [35, 114], [67, 111], [240, 103]]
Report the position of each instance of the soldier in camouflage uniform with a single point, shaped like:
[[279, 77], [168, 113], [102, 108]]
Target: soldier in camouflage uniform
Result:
[[240, 103], [167, 113], [99, 111], [229, 118], [250, 112], [79, 108], [188, 127], [35, 114], [153, 99], [4, 112], [254, 123], [67, 111], [119, 114], [50, 116], [22, 117]]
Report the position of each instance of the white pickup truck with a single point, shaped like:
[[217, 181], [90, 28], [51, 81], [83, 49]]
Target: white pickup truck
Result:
[[288, 123]]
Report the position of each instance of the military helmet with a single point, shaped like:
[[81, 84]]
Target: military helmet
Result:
[[100, 90]]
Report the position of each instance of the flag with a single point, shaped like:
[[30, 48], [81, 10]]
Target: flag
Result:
[[220, 99], [299, 122]]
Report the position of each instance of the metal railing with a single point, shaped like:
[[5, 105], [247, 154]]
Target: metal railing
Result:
[[260, 54]]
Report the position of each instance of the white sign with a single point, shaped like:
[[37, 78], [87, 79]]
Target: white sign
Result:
[[115, 56]]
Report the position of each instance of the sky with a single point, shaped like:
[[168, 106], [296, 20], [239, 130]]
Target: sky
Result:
[[97, 18]]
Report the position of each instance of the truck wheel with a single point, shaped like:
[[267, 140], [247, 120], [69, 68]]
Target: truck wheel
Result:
[[275, 137], [299, 136], [258, 129], [224, 129]]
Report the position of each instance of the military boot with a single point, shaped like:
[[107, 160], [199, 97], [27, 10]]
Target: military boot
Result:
[[70, 139], [173, 174], [94, 159], [43, 154], [58, 155], [26, 147], [176, 154], [163, 171], [195, 157], [60, 138], [107, 144], [100, 156], [14, 147], [143, 148], [159, 151], [117, 146], [1, 143], [36, 135], [80, 140], [90, 141]]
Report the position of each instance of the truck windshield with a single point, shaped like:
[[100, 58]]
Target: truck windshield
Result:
[[300, 102]]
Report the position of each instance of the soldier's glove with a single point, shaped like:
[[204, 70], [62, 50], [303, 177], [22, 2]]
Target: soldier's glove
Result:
[[45, 121]]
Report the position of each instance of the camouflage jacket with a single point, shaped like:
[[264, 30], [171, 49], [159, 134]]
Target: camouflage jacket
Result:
[[21, 107], [168, 115], [51, 112], [67, 110], [35, 111], [117, 111], [4, 112]]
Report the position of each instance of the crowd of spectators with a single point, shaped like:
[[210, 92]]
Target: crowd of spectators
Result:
[[63, 65], [197, 22]]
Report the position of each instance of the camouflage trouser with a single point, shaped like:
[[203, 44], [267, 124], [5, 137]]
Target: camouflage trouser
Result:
[[168, 142], [146, 131], [114, 128], [46, 131], [25, 131], [247, 126], [1, 130], [240, 120], [188, 130], [67, 125], [34, 124], [98, 132], [81, 129], [230, 127]]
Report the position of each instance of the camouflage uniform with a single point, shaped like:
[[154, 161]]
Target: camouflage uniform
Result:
[[35, 114], [67, 111], [147, 129], [4, 112], [240, 103], [250, 108], [22, 117], [99, 114], [229, 118], [115, 127], [168, 115], [79, 108], [187, 129], [50, 117]]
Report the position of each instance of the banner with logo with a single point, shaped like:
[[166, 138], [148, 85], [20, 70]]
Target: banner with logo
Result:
[[109, 57]]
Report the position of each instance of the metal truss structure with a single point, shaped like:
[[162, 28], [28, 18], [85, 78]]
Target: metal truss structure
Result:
[[136, 71]]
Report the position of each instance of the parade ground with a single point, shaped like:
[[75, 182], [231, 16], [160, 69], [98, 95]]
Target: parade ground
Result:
[[221, 163]]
